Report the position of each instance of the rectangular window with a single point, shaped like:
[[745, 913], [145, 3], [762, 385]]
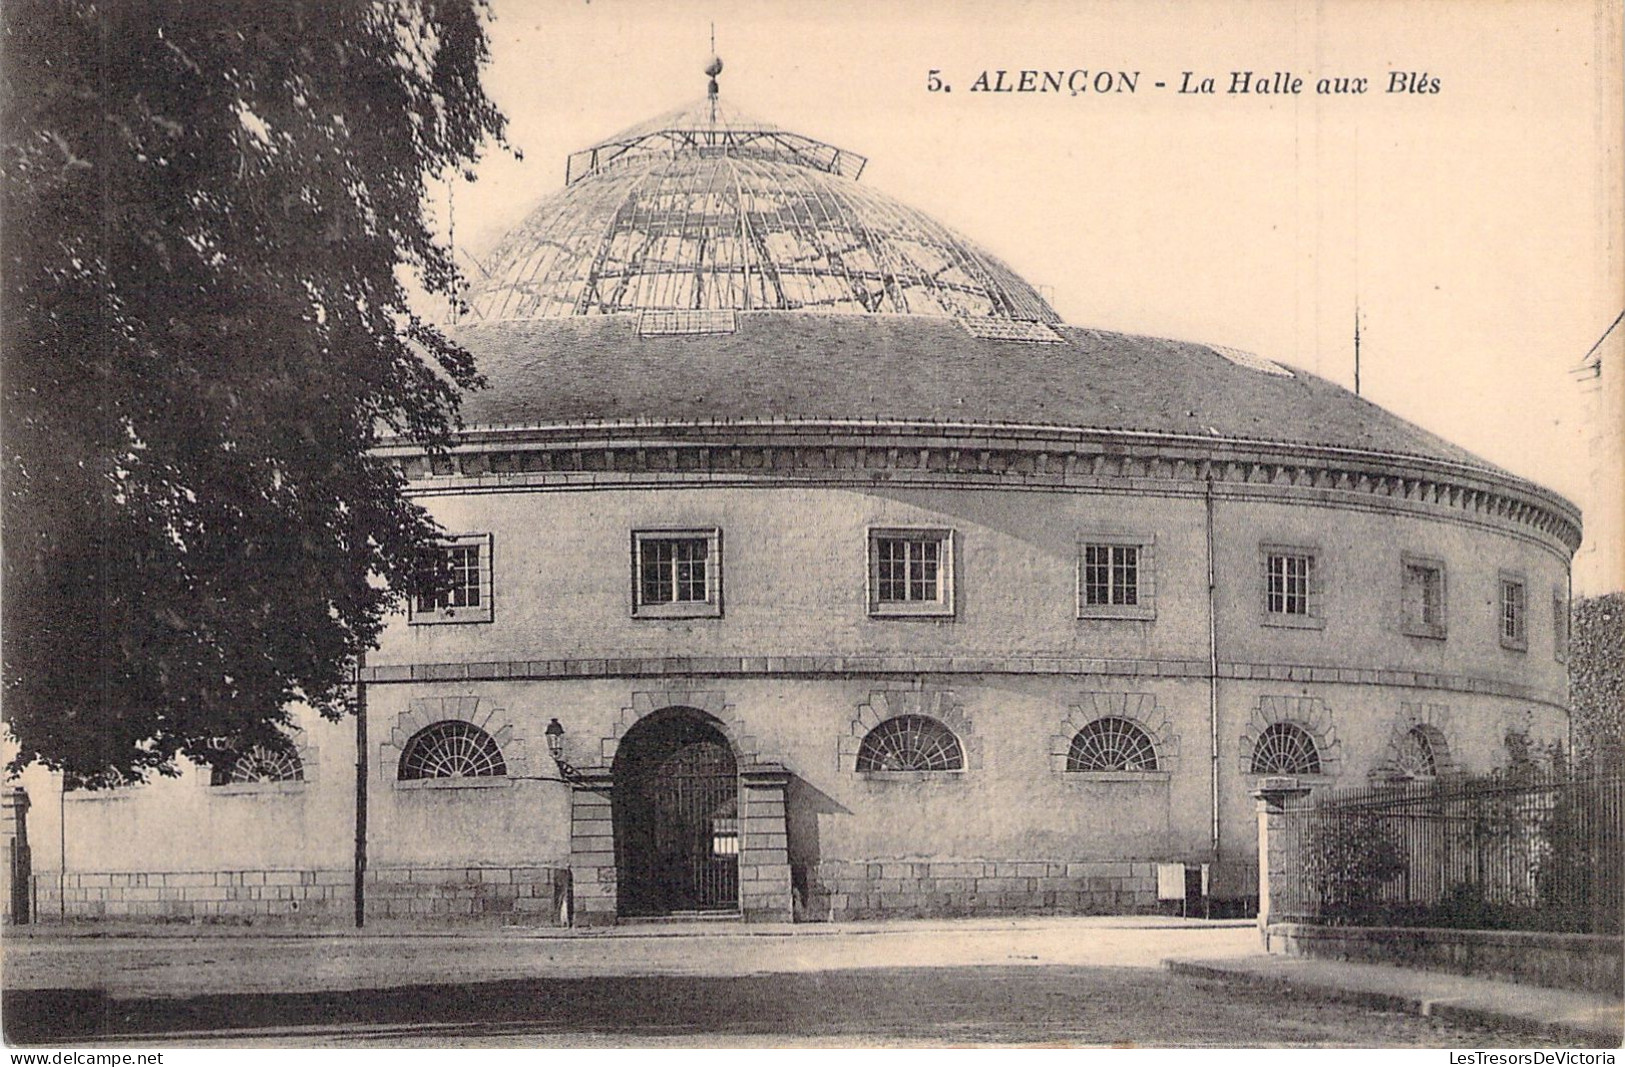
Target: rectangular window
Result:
[[1007, 330], [911, 572], [725, 837], [1289, 584], [1422, 597], [461, 569], [1111, 574], [1291, 587], [1514, 612], [676, 573], [658, 322], [1115, 578], [673, 571]]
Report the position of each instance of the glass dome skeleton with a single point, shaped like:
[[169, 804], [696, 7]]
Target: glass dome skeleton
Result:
[[705, 208]]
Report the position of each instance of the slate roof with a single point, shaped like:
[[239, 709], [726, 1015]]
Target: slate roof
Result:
[[810, 366]]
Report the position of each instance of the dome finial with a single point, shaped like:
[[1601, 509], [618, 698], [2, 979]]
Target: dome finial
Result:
[[713, 68]]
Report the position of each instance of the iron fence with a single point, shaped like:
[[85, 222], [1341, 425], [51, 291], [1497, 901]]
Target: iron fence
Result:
[[1518, 850]]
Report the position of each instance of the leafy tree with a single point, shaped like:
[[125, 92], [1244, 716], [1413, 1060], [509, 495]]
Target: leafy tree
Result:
[[1597, 678], [1347, 858], [214, 217]]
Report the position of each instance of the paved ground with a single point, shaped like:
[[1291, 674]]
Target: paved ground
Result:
[[181, 964], [1067, 981], [1563, 1015]]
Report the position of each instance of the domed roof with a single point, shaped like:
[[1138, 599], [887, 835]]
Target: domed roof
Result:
[[686, 273], [705, 208], [811, 368]]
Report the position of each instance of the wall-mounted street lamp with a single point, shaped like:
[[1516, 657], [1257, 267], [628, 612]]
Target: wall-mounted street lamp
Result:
[[555, 748]]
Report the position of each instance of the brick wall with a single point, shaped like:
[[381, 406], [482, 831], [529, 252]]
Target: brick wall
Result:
[[904, 888]]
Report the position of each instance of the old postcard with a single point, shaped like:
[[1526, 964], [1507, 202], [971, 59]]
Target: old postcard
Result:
[[982, 524]]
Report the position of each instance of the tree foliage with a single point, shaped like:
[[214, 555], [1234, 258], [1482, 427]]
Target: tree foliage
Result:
[[1347, 858], [213, 217], [1597, 677]]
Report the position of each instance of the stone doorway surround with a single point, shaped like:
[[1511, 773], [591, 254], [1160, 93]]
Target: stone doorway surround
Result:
[[764, 861]]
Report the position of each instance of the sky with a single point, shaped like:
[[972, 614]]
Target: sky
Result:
[[1477, 228]]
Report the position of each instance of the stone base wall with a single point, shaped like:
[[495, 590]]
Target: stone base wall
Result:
[[1563, 961], [530, 896], [534, 896], [764, 893], [841, 891]]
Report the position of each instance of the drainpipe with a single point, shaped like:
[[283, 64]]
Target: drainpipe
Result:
[[360, 793], [62, 846], [1212, 668]]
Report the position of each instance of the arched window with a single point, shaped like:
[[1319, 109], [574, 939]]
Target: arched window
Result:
[[451, 749], [911, 743], [1414, 757], [1285, 748], [260, 764], [1111, 744]]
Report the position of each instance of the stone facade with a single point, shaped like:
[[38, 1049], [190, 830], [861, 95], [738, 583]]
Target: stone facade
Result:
[[951, 888], [531, 895], [796, 444], [764, 862]]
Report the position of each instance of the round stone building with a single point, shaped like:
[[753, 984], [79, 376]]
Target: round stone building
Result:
[[808, 566]]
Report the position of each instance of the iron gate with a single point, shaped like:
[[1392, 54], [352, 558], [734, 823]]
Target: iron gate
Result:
[[678, 826]]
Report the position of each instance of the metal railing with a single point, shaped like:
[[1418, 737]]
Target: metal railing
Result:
[[1518, 850]]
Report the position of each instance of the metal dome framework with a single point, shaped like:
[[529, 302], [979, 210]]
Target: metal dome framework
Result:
[[707, 209]]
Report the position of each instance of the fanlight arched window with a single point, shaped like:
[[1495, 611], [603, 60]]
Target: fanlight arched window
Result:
[[258, 764], [1415, 757], [911, 743], [1285, 748], [1111, 745], [451, 749]]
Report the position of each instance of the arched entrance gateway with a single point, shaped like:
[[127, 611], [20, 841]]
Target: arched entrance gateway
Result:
[[676, 815], [683, 815]]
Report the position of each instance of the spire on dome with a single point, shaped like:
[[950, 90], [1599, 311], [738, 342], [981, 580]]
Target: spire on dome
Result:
[[712, 69]]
